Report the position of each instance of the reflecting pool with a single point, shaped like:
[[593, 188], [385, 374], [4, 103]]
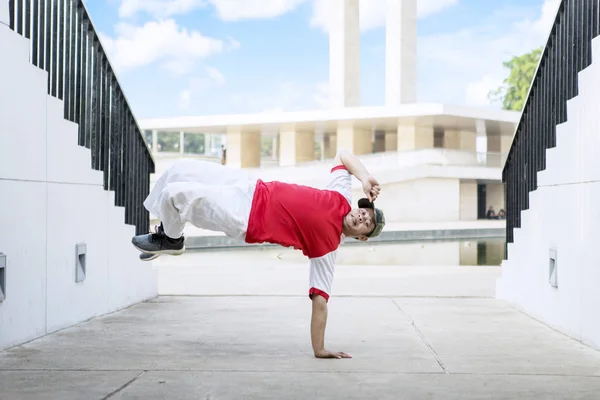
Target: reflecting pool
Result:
[[457, 252], [476, 251]]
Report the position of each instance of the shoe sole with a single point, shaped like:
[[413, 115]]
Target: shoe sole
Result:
[[148, 257], [163, 252]]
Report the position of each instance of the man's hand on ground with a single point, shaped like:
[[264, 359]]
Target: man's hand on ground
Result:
[[327, 354]]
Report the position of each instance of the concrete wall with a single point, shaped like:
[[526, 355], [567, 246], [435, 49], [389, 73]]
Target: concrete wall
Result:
[[495, 196], [562, 218], [468, 201], [50, 201]]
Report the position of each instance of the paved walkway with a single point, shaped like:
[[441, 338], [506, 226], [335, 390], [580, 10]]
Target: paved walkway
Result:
[[236, 326]]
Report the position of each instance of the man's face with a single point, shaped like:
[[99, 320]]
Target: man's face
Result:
[[359, 222]]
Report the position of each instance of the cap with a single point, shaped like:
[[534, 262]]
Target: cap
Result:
[[378, 214]]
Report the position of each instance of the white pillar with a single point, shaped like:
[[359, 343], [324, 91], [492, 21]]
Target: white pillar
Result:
[[275, 152], [243, 148], [401, 52], [154, 141], [356, 140], [181, 142], [344, 53], [297, 146]]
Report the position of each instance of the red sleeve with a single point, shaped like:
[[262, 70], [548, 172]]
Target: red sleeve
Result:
[[315, 291]]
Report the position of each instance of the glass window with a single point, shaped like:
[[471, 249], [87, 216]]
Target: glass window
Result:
[[168, 142]]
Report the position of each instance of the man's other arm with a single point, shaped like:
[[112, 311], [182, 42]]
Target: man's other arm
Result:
[[355, 167]]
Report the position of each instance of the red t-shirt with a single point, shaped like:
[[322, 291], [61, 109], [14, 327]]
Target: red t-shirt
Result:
[[297, 216]]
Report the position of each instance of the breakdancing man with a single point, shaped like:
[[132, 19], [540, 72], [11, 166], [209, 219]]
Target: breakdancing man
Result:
[[219, 198]]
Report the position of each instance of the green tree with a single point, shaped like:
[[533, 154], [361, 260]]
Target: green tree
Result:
[[513, 92]]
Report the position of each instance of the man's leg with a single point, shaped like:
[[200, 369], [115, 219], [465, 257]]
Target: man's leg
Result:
[[207, 195]]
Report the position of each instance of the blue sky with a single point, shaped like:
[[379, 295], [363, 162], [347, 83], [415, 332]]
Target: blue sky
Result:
[[203, 57]]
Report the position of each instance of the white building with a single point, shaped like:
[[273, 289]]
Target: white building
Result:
[[436, 162]]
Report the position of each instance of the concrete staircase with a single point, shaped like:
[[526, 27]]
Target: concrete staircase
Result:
[[553, 266], [51, 200]]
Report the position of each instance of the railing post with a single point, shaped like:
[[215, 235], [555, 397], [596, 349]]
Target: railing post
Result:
[[65, 43], [567, 52]]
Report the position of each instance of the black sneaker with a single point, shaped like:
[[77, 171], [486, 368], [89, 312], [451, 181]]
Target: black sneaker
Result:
[[159, 243], [148, 256]]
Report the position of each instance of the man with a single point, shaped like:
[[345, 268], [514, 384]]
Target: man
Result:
[[314, 221]]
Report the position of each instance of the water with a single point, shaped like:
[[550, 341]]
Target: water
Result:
[[464, 252]]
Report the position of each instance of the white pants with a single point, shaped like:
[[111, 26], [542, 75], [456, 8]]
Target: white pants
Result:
[[206, 194]]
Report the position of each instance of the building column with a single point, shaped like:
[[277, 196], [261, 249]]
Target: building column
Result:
[[411, 137], [243, 148], [356, 140], [468, 141], [323, 146], [451, 139], [468, 201], [296, 146], [181, 142], [391, 141], [208, 144], [330, 148], [401, 52], [344, 53], [499, 145], [154, 141], [275, 155], [460, 140]]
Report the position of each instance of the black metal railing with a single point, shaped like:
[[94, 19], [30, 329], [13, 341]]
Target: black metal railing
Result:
[[65, 44], [567, 52]]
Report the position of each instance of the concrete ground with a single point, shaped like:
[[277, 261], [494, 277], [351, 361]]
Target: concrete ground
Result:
[[235, 325]]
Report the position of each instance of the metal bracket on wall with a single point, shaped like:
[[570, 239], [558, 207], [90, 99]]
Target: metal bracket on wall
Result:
[[553, 278], [2, 276], [80, 262]]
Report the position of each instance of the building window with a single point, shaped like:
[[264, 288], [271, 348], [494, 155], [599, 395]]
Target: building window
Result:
[[194, 143]]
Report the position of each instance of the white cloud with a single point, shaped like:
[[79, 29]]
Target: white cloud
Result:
[[158, 8], [474, 56], [162, 41], [285, 96], [235, 10], [185, 99], [476, 93], [321, 95], [200, 86], [179, 67], [226, 10], [544, 23], [373, 12], [215, 75]]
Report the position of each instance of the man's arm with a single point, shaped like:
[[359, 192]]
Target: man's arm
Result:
[[321, 278], [317, 329], [355, 167]]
